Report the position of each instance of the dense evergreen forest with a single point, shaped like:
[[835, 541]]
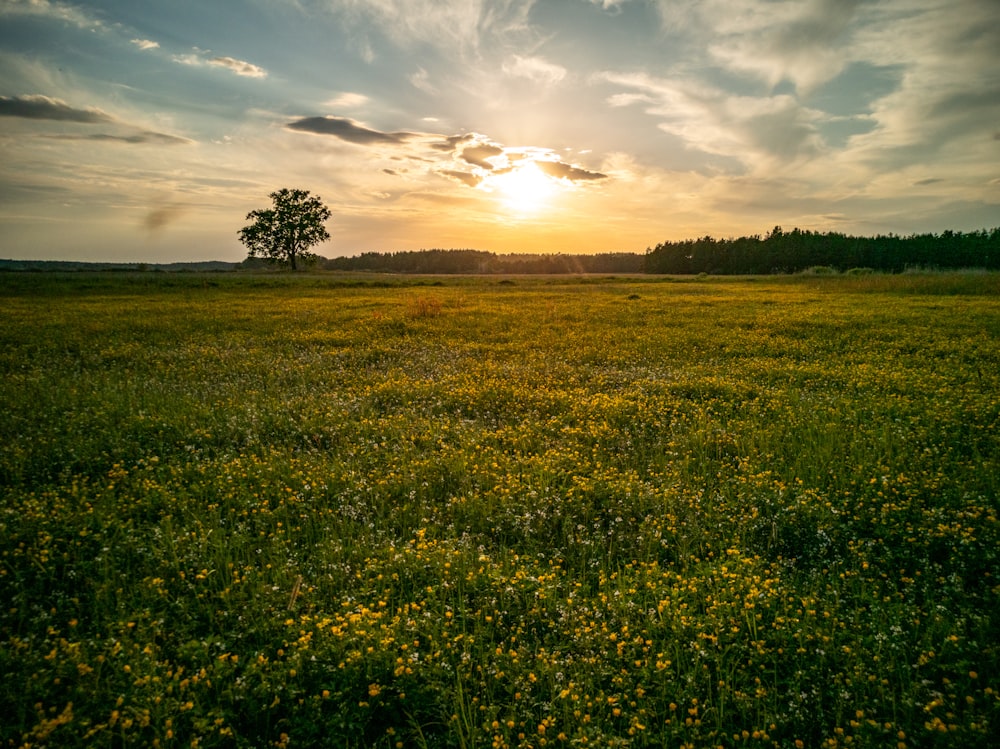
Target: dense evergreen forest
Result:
[[798, 250], [777, 252]]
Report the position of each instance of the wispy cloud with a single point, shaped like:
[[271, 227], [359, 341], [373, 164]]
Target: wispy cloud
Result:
[[144, 136], [51, 9], [145, 44], [192, 58], [457, 26], [609, 4], [562, 170], [534, 69], [466, 178], [805, 42], [421, 79], [752, 130], [240, 67], [200, 57], [347, 100], [948, 92], [38, 107]]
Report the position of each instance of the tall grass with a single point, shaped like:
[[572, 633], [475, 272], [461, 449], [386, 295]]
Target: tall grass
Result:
[[756, 512]]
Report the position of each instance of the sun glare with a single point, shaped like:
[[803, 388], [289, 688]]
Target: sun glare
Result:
[[525, 189]]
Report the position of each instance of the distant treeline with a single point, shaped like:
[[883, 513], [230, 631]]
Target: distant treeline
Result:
[[797, 250], [478, 261], [778, 251]]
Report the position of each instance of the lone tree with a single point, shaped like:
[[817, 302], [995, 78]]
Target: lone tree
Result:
[[285, 233]]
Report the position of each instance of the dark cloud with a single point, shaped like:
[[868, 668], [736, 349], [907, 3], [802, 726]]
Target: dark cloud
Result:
[[37, 107], [559, 170], [928, 181], [393, 172], [345, 129], [467, 178], [452, 142], [477, 155], [143, 137]]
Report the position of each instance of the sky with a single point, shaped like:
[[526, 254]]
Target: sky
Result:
[[146, 131]]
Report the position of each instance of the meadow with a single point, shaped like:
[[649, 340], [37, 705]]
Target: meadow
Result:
[[325, 510]]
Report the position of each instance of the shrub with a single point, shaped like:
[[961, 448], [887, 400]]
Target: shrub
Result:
[[820, 270]]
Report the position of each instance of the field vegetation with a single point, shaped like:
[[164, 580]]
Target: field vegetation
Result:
[[324, 510]]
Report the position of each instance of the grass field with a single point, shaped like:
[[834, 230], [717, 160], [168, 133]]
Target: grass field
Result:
[[332, 511]]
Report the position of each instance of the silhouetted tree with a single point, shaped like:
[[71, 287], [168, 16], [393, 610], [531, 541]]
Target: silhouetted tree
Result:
[[285, 232]]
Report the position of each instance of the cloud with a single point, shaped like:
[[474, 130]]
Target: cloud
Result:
[[54, 10], [240, 67], [348, 130], [493, 159], [452, 142], [457, 27], [561, 170], [146, 136], [38, 107], [421, 79], [753, 130], [534, 69], [948, 98], [806, 42], [478, 154], [192, 59], [347, 100], [467, 178], [145, 44]]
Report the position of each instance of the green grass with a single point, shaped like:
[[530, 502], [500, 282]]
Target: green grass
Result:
[[325, 510]]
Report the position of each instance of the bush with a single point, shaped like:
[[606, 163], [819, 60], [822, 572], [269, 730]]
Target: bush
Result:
[[820, 270]]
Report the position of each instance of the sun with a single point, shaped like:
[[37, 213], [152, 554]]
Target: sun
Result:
[[525, 189]]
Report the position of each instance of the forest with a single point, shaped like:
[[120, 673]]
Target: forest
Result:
[[777, 252], [480, 262], [798, 250]]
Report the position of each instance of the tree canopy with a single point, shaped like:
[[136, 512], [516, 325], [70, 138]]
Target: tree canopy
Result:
[[285, 232]]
